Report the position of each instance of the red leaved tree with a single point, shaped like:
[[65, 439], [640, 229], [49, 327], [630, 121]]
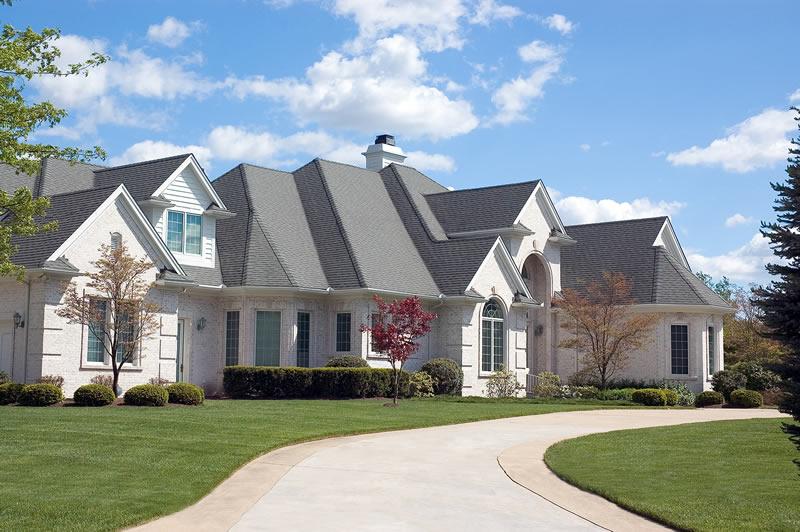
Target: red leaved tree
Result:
[[397, 325]]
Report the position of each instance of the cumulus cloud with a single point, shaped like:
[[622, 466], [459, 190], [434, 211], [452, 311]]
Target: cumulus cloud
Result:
[[487, 11], [745, 263], [580, 210], [757, 142], [172, 32], [795, 96], [538, 51], [738, 219], [560, 23], [156, 149], [430, 161], [382, 90], [585, 147], [514, 97]]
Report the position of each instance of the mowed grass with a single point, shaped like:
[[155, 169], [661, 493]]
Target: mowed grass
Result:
[[109, 468], [722, 475]]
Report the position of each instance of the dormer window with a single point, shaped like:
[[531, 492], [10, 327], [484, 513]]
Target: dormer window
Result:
[[184, 233]]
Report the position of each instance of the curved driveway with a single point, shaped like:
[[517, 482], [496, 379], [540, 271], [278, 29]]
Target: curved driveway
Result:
[[482, 476]]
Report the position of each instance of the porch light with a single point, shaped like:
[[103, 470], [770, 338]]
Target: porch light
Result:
[[201, 324], [18, 321]]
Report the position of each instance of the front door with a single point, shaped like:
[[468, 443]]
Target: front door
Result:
[[6, 347], [180, 356]]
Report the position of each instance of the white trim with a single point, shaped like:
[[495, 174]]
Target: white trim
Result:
[[548, 204], [511, 268], [688, 373], [122, 192], [519, 232], [671, 243], [336, 331], [201, 175], [695, 309], [482, 372]]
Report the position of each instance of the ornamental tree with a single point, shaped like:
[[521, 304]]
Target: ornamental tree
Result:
[[394, 332], [117, 308], [604, 328]]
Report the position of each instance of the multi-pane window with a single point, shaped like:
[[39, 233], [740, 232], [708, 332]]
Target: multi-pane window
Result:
[[711, 350], [184, 233], [97, 333], [680, 349], [268, 338], [492, 334], [232, 338], [343, 332], [373, 322], [303, 338], [125, 340]]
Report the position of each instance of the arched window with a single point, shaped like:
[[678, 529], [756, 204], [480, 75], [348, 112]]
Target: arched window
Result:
[[492, 334]]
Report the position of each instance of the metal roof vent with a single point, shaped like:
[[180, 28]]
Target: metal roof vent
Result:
[[385, 139]]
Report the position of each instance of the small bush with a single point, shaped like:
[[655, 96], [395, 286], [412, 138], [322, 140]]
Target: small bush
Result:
[[55, 380], [447, 375], [575, 392], [40, 394], [420, 384], [93, 395], [4, 377], [103, 380], [547, 385], [725, 382], [747, 398], [503, 383], [685, 395], [184, 393], [773, 396], [146, 395], [757, 377], [622, 394], [347, 361], [671, 397], [708, 398], [10, 392], [159, 381], [650, 397]]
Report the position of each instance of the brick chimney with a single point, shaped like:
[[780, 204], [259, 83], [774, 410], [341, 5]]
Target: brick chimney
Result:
[[383, 153]]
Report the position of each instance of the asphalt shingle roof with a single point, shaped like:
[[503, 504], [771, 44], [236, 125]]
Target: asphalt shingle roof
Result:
[[141, 179]]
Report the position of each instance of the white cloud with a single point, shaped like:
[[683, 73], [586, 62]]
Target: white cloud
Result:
[[559, 23], [150, 149], [579, 210], [430, 161], [758, 142], [745, 263], [585, 147], [488, 11], [795, 96], [172, 32], [513, 97], [382, 91], [538, 51], [738, 219]]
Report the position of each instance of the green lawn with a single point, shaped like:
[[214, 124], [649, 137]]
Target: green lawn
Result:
[[722, 475], [108, 468]]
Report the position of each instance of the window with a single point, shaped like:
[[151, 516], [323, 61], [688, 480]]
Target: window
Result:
[[373, 321], [96, 351], [343, 332], [303, 338], [125, 340], [232, 338], [680, 349], [116, 240], [492, 333], [268, 338], [184, 233], [711, 343]]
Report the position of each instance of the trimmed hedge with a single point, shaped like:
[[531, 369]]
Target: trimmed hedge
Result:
[[93, 395], [146, 395], [708, 398], [420, 385], [747, 398], [726, 382], [41, 394], [4, 377], [651, 397], [621, 394], [671, 397], [448, 379], [347, 361], [184, 393], [295, 383], [10, 392]]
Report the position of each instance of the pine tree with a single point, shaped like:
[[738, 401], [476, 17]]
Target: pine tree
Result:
[[780, 301]]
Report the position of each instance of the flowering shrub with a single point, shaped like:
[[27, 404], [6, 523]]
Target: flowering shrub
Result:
[[421, 384], [547, 385], [503, 383], [686, 396]]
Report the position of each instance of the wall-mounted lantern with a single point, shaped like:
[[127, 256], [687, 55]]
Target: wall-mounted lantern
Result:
[[201, 324], [19, 323]]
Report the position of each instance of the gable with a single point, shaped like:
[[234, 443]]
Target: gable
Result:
[[190, 185], [668, 240], [498, 274]]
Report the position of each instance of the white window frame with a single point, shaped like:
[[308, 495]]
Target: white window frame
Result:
[[711, 336], [184, 232], [688, 373], [238, 338], [106, 363], [336, 332], [482, 372]]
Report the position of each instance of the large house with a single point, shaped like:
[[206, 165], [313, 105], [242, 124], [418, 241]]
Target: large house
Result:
[[267, 267]]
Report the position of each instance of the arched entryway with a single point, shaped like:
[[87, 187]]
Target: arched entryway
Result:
[[538, 277]]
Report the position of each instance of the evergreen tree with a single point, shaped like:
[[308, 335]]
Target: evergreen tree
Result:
[[780, 301]]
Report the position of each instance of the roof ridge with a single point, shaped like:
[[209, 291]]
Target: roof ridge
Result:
[[681, 272], [105, 169], [482, 188], [268, 168], [411, 202], [620, 221], [249, 224], [423, 174], [340, 163], [85, 190]]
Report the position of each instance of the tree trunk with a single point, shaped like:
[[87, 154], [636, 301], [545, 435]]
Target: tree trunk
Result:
[[396, 384]]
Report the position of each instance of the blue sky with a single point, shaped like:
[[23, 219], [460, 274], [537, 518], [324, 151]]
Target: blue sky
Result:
[[624, 108]]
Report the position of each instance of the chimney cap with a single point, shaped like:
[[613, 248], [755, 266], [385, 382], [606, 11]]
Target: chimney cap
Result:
[[385, 139]]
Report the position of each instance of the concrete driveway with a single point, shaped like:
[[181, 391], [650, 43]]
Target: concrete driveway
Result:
[[482, 476]]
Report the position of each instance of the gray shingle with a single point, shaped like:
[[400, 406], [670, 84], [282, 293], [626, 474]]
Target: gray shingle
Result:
[[141, 179], [10, 180], [61, 177]]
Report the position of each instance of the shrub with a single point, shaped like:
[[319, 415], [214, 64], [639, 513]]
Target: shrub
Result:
[[103, 380], [55, 380], [757, 377], [4, 378], [160, 381], [685, 395], [503, 383], [671, 397], [772, 396], [547, 385], [9, 392], [575, 392], [747, 398], [708, 398], [447, 376], [347, 361], [40, 394], [622, 394], [420, 384], [650, 397], [146, 395], [725, 382], [93, 395], [184, 393]]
